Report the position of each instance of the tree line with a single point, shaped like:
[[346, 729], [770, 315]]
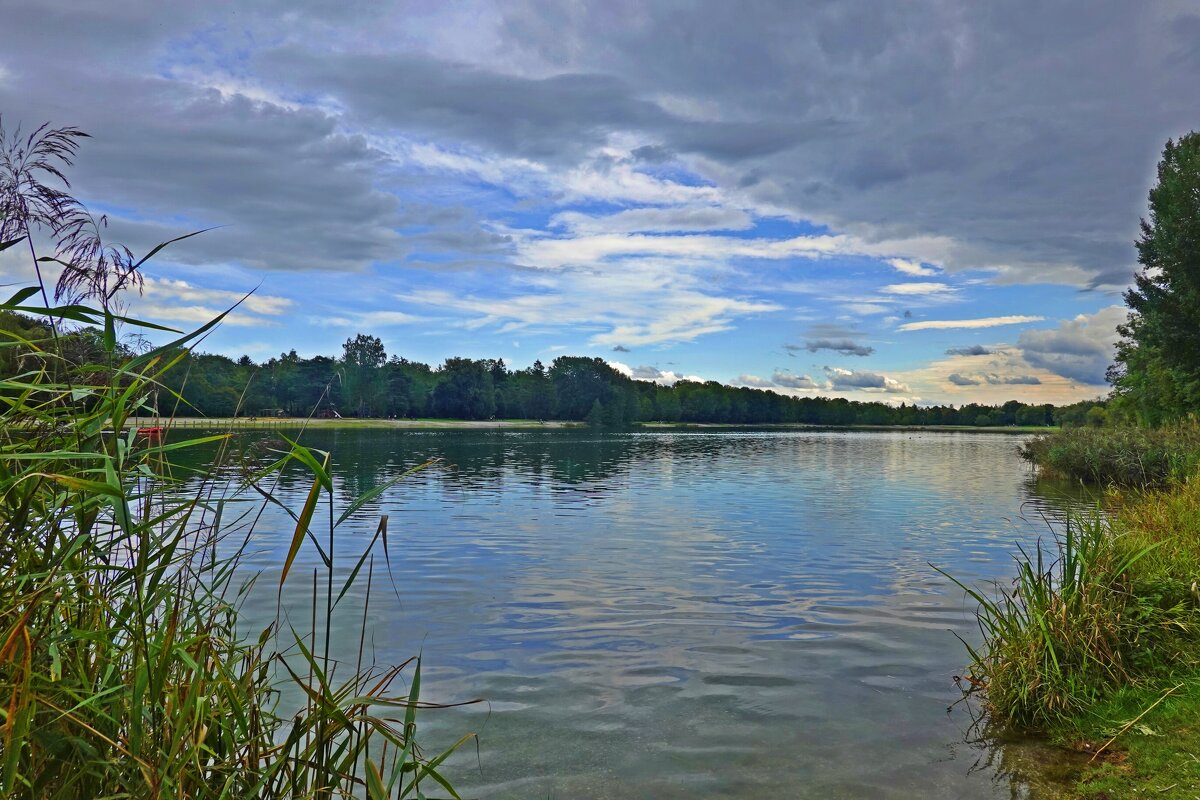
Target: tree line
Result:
[[366, 382]]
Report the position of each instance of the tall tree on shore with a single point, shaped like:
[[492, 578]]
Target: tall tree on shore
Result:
[[1157, 374], [363, 385]]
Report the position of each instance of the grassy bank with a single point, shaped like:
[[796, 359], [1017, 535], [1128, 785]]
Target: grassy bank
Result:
[[1122, 456], [1096, 643]]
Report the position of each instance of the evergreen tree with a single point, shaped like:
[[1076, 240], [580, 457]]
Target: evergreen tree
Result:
[[595, 417], [1157, 375]]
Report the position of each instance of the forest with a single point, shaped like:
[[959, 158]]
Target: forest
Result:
[[365, 382]]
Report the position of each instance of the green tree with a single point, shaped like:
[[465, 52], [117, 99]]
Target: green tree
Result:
[[595, 417], [465, 390], [364, 388], [1157, 374]]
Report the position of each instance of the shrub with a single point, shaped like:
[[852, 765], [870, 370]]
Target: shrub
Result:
[[1121, 456]]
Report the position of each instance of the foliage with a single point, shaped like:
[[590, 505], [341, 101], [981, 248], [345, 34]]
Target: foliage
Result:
[[1114, 605], [124, 669], [461, 388], [1123, 456], [1157, 375]]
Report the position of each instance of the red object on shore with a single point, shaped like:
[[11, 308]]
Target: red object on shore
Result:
[[154, 434]]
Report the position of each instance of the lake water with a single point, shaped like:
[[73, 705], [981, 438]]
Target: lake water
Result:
[[686, 614]]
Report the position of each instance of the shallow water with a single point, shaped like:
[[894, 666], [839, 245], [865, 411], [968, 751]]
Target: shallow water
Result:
[[684, 615]]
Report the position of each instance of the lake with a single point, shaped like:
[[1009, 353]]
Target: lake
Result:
[[732, 614]]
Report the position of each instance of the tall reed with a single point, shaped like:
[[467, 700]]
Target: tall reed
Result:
[[126, 668], [1112, 604]]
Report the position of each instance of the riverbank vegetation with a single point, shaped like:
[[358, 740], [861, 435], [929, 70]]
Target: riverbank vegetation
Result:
[[1097, 641], [1128, 456], [125, 666]]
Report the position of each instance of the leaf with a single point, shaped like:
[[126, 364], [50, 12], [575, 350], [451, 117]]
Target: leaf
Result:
[[306, 515], [22, 295], [375, 788], [370, 495], [5, 245], [110, 333], [153, 252], [304, 454]]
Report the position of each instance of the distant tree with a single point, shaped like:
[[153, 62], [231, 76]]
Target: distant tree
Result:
[[364, 389], [538, 392], [595, 417], [1157, 373], [464, 390]]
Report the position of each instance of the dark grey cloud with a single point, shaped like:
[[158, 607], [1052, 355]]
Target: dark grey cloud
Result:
[[1080, 349], [621, 349], [647, 373], [845, 347], [1024, 132], [970, 350], [841, 379], [1013, 380], [958, 379]]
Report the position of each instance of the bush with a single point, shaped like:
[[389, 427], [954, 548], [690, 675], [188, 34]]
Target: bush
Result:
[[1120, 456]]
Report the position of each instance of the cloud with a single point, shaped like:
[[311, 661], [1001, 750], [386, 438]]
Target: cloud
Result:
[[652, 374], [958, 379], [753, 380], [909, 267], [969, 350], [647, 373], [918, 288], [632, 304], [1013, 380], [659, 220], [841, 379], [984, 322], [1080, 349], [182, 290], [195, 314], [620, 349], [793, 381], [843, 346], [853, 118], [370, 319]]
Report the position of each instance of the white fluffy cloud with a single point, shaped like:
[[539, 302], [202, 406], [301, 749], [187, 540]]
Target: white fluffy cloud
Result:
[[920, 288], [983, 322], [910, 267]]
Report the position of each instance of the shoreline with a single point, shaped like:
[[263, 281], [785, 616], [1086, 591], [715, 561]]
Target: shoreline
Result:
[[291, 423]]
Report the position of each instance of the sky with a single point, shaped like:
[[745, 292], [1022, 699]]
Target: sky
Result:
[[923, 202]]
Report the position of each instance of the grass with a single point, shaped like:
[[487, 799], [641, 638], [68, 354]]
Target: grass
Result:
[[125, 668], [1120, 456], [1096, 643]]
